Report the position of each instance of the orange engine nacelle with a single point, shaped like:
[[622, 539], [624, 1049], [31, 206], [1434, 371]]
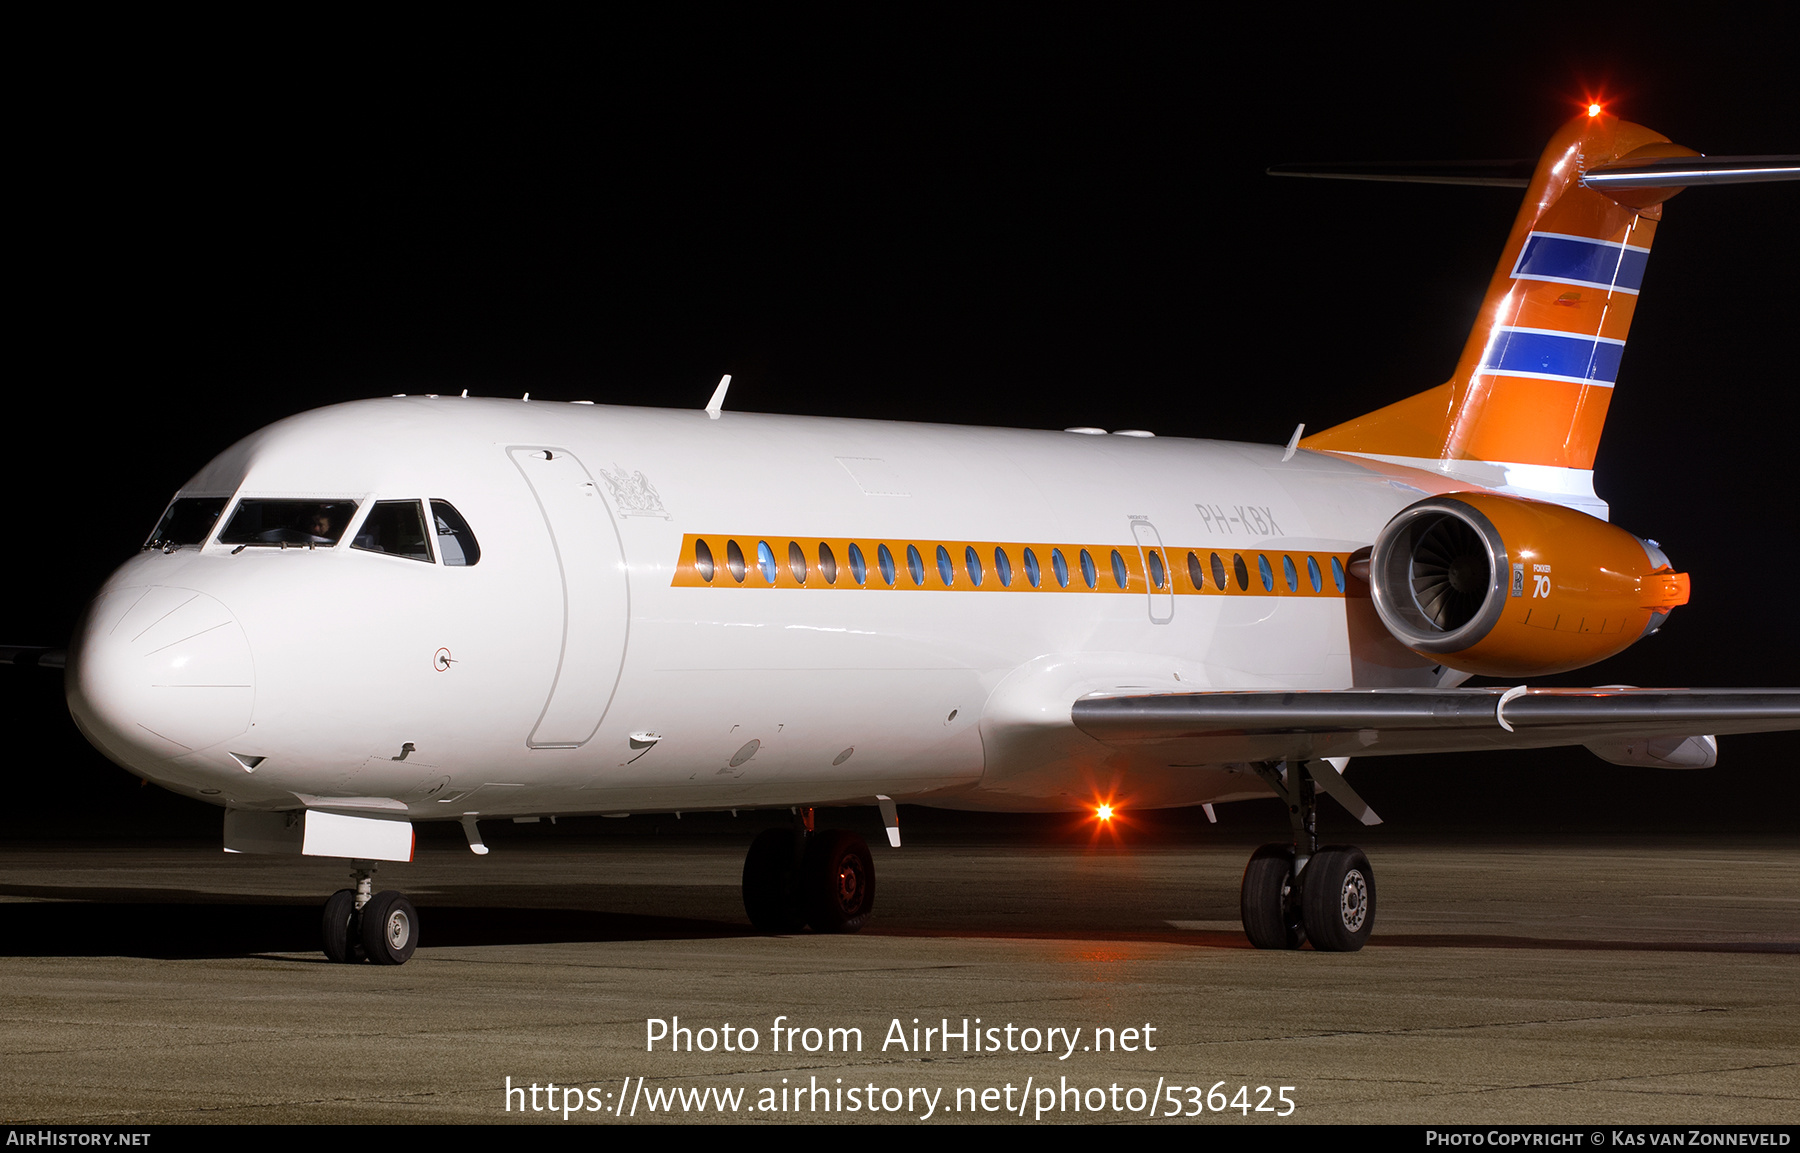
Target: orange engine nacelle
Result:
[[1508, 587]]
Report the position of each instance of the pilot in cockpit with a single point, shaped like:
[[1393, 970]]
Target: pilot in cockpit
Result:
[[321, 529]]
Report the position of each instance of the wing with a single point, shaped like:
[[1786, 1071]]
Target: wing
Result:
[[1214, 728]]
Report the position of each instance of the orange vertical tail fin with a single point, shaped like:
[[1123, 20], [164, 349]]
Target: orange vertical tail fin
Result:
[[1525, 409]]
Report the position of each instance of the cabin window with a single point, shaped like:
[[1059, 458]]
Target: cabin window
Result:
[[1218, 571], [703, 561], [1241, 571], [1288, 572], [1089, 573], [456, 544], [1337, 574], [734, 561], [188, 520], [859, 568], [827, 563], [946, 570], [306, 523], [1157, 575], [797, 561], [1003, 567], [1032, 572], [397, 528], [1195, 576], [886, 559], [1265, 572], [1060, 566], [1312, 573], [1121, 575], [972, 565], [915, 565], [765, 560]]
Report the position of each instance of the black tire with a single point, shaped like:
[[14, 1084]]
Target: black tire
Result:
[[390, 928], [1337, 899], [1270, 920], [770, 869], [837, 882], [338, 928]]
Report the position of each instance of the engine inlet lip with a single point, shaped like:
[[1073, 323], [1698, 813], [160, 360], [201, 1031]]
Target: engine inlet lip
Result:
[[1390, 577]]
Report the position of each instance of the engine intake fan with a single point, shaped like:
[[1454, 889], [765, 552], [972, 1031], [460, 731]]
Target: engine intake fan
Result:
[[1436, 576], [1505, 586]]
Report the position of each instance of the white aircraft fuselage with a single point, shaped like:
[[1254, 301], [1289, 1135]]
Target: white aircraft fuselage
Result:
[[583, 665], [436, 607]]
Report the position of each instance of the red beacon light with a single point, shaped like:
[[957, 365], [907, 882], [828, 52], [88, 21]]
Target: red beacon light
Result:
[[1103, 813], [1593, 110]]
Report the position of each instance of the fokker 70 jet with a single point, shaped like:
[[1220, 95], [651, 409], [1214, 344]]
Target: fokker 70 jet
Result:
[[461, 609]]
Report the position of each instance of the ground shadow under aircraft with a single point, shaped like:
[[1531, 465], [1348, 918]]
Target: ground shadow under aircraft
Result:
[[171, 924]]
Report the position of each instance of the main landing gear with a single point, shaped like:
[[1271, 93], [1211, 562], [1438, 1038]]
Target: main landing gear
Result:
[[796, 877], [363, 926], [1302, 892]]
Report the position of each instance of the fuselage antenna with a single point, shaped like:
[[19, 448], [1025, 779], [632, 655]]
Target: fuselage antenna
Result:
[[1293, 442], [717, 403]]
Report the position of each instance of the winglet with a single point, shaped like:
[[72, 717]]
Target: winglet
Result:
[[717, 403]]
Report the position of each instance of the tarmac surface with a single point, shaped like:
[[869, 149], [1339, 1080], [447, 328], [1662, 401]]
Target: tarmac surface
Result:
[[1598, 980]]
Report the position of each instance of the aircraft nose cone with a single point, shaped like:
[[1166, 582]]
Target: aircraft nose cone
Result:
[[160, 672]]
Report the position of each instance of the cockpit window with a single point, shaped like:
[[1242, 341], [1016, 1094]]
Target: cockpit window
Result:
[[188, 521], [456, 544], [395, 527], [306, 523]]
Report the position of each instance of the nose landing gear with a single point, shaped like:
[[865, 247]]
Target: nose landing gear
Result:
[[357, 926]]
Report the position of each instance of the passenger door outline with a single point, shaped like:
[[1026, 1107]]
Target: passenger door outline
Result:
[[590, 559]]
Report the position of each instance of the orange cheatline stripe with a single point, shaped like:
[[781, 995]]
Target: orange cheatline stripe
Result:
[[1178, 570]]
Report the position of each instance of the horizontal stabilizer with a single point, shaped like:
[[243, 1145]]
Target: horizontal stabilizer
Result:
[[1692, 171], [1655, 172], [1215, 728], [1481, 173]]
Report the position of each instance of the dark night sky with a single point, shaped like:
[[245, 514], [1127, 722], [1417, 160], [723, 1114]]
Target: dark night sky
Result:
[[1040, 221]]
